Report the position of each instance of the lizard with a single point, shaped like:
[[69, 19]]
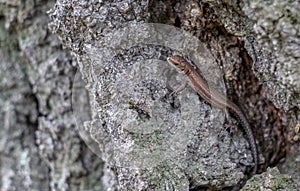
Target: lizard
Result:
[[215, 98]]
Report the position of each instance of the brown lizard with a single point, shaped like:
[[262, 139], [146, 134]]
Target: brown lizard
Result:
[[213, 97]]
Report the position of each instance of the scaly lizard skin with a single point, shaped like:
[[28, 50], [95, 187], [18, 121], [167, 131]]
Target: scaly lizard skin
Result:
[[215, 98]]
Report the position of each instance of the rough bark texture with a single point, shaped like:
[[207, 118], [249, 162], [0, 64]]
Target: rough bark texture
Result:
[[254, 43], [40, 148]]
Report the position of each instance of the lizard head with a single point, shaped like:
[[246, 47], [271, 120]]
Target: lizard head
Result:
[[177, 61]]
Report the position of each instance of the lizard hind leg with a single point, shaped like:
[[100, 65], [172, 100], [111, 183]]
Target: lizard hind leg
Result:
[[229, 122]]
